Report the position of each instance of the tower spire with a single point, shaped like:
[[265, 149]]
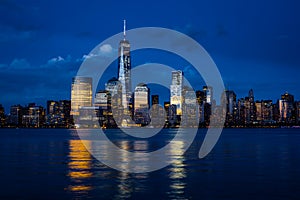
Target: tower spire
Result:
[[124, 29]]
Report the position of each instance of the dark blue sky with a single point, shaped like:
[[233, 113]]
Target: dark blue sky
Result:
[[255, 44]]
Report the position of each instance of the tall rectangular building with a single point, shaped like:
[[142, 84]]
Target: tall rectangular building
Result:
[[286, 108], [81, 93], [141, 104], [15, 117], [176, 91], [208, 94], [124, 70]]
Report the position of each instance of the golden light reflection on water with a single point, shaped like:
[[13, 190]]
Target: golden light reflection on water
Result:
[[177, 170], [79, 165]]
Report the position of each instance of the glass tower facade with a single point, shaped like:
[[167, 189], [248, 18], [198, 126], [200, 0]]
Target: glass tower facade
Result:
[[81, 94], [176, 91], [141, 104], [124, 70]]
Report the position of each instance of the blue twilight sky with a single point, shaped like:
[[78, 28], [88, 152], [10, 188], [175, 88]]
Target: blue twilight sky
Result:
[[255, 44]]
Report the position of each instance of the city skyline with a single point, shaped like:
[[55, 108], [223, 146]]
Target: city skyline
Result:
[[41, 52], [136, 104]]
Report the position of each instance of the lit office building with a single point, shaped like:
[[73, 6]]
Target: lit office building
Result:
[[176, 91], [259, 111], [102, 99], [81, 94], [250, 111], [52, 107], [241, 112], [190, 109], [58, 114], [166, 108], [141, 104], [33, 116], [231, 107], [15, 116], [157, 112], [252, 106], [286, 108], [208, 94], [102, 103], [267, 111], [172, 115], [113, 86]]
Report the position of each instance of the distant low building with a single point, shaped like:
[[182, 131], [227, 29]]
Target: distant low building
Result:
[[15, 116], [58, 114], [33, 116], [2, 116]]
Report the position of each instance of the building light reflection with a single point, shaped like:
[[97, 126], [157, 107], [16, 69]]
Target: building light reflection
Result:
[[177, 170], [79, 166]]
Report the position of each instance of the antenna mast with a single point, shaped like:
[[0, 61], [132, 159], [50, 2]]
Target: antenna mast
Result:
[[124, 29]]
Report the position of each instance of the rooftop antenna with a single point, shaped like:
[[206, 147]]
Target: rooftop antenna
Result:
[[124, 29]]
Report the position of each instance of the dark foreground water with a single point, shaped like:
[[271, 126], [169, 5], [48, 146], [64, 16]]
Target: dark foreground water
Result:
[[245, 164]]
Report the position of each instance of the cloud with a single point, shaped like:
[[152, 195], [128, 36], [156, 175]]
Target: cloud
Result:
[[106, 49], [91, 55], [22, 82], [56, 59], [19, 64], [59, 60]]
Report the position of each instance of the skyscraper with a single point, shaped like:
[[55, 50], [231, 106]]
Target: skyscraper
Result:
[[259, 110], [113, 86], [190, 108], [176, 91], [102, 103], [15, 117], [286, 108], [141, 104], [141, 96], [252, 106], [267, 111], [208, 94], [124, 70], [81, 93], [231, 108]]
